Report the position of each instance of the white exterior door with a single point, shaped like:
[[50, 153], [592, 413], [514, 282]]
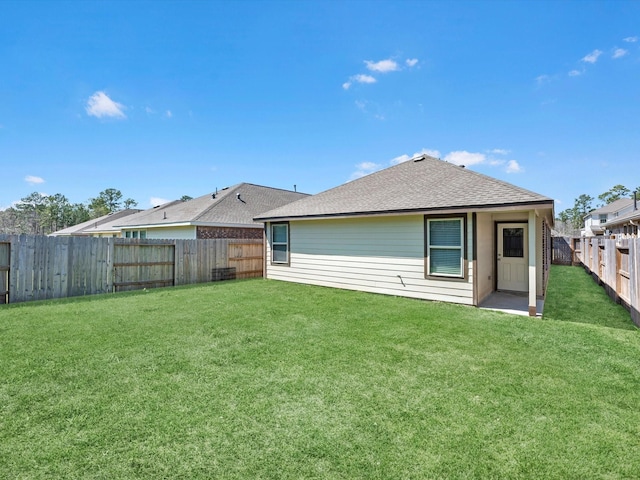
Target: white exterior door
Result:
[[513, 257]]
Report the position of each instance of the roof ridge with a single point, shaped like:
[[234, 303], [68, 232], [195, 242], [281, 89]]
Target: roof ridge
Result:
[[227, 191], [493, 179]]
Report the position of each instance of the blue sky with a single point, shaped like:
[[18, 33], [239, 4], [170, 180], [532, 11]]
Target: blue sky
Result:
[[163, 99]]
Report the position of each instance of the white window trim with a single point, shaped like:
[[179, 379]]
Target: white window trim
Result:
[[444, 247]]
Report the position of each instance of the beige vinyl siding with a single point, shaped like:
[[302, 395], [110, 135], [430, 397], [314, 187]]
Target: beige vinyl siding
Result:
[[183, 233], [376, 254], [486, 255]]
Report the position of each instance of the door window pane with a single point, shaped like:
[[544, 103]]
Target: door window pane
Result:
[[513, 242]]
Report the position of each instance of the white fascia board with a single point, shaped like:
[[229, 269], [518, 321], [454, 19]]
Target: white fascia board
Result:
[[155, 225], [233, 225]]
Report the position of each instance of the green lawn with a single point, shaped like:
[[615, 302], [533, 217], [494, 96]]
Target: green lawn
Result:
[[575, 297], [264, 379]]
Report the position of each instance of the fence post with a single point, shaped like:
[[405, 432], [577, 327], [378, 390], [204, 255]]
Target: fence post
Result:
[[634, 280]]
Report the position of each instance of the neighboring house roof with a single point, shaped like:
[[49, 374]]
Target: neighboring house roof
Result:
[[421, 184], [231, 206], [95, 225], [633, 216], [612, 207]]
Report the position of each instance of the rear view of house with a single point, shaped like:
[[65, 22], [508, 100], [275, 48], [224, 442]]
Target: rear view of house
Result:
[[423, 229]]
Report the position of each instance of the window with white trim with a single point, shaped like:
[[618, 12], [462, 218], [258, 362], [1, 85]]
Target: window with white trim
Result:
[[135, 234], [445, 247], [280, 243]]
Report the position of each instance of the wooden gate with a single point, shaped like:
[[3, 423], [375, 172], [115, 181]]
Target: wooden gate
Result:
[[140, 265], [562, 252], [5, 262]]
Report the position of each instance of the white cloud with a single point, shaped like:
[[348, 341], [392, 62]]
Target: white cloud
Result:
[[500, 151], [542, 79], [426, 151], [514, 167], [361, 78], [149, 110], [406, 158], [411, 62], [33, 180], [619, 53], [631, 39], [100, 105], [575, 73], [383, 66], [155, 201], [400, 159], [592, 57], [168, 114], [462, 157], [365, 168]]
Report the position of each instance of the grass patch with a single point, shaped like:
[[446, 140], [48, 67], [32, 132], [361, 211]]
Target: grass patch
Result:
[[573, 296], [265, 379]]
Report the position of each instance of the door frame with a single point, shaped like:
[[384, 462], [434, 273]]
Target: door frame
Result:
[[496, 267]]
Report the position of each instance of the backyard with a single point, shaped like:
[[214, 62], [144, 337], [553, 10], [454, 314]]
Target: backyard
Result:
[[266, 379]]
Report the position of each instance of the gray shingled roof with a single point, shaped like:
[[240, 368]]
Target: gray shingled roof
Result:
[[634, 215], [225, 209], [613, 206], [421, 184], [99, 224]]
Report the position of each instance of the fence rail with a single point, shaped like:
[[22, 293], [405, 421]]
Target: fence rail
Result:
[[39, 267], [615, 264]]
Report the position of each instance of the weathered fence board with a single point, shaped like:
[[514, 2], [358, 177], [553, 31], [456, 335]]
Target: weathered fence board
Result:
[[5, 266], [615, 264], [39, 267]]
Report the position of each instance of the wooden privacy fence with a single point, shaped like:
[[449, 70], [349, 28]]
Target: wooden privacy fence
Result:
[[39, 267], [615, 264], [565, 251]]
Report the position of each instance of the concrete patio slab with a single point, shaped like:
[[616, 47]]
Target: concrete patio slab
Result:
[[509, 302]]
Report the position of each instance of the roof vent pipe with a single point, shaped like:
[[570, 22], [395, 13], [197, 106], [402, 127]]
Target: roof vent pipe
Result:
[[635, 200], [165, 215], [238, 196], [294, 188]]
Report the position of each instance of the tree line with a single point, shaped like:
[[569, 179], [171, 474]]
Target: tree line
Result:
[[571, 220], [38, 214]]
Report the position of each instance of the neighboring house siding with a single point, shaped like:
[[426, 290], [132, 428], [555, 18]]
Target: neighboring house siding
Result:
[[376, 254], [182, 233], [230, 232]]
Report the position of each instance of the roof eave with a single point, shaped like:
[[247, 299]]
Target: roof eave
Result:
[[438, 210]]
